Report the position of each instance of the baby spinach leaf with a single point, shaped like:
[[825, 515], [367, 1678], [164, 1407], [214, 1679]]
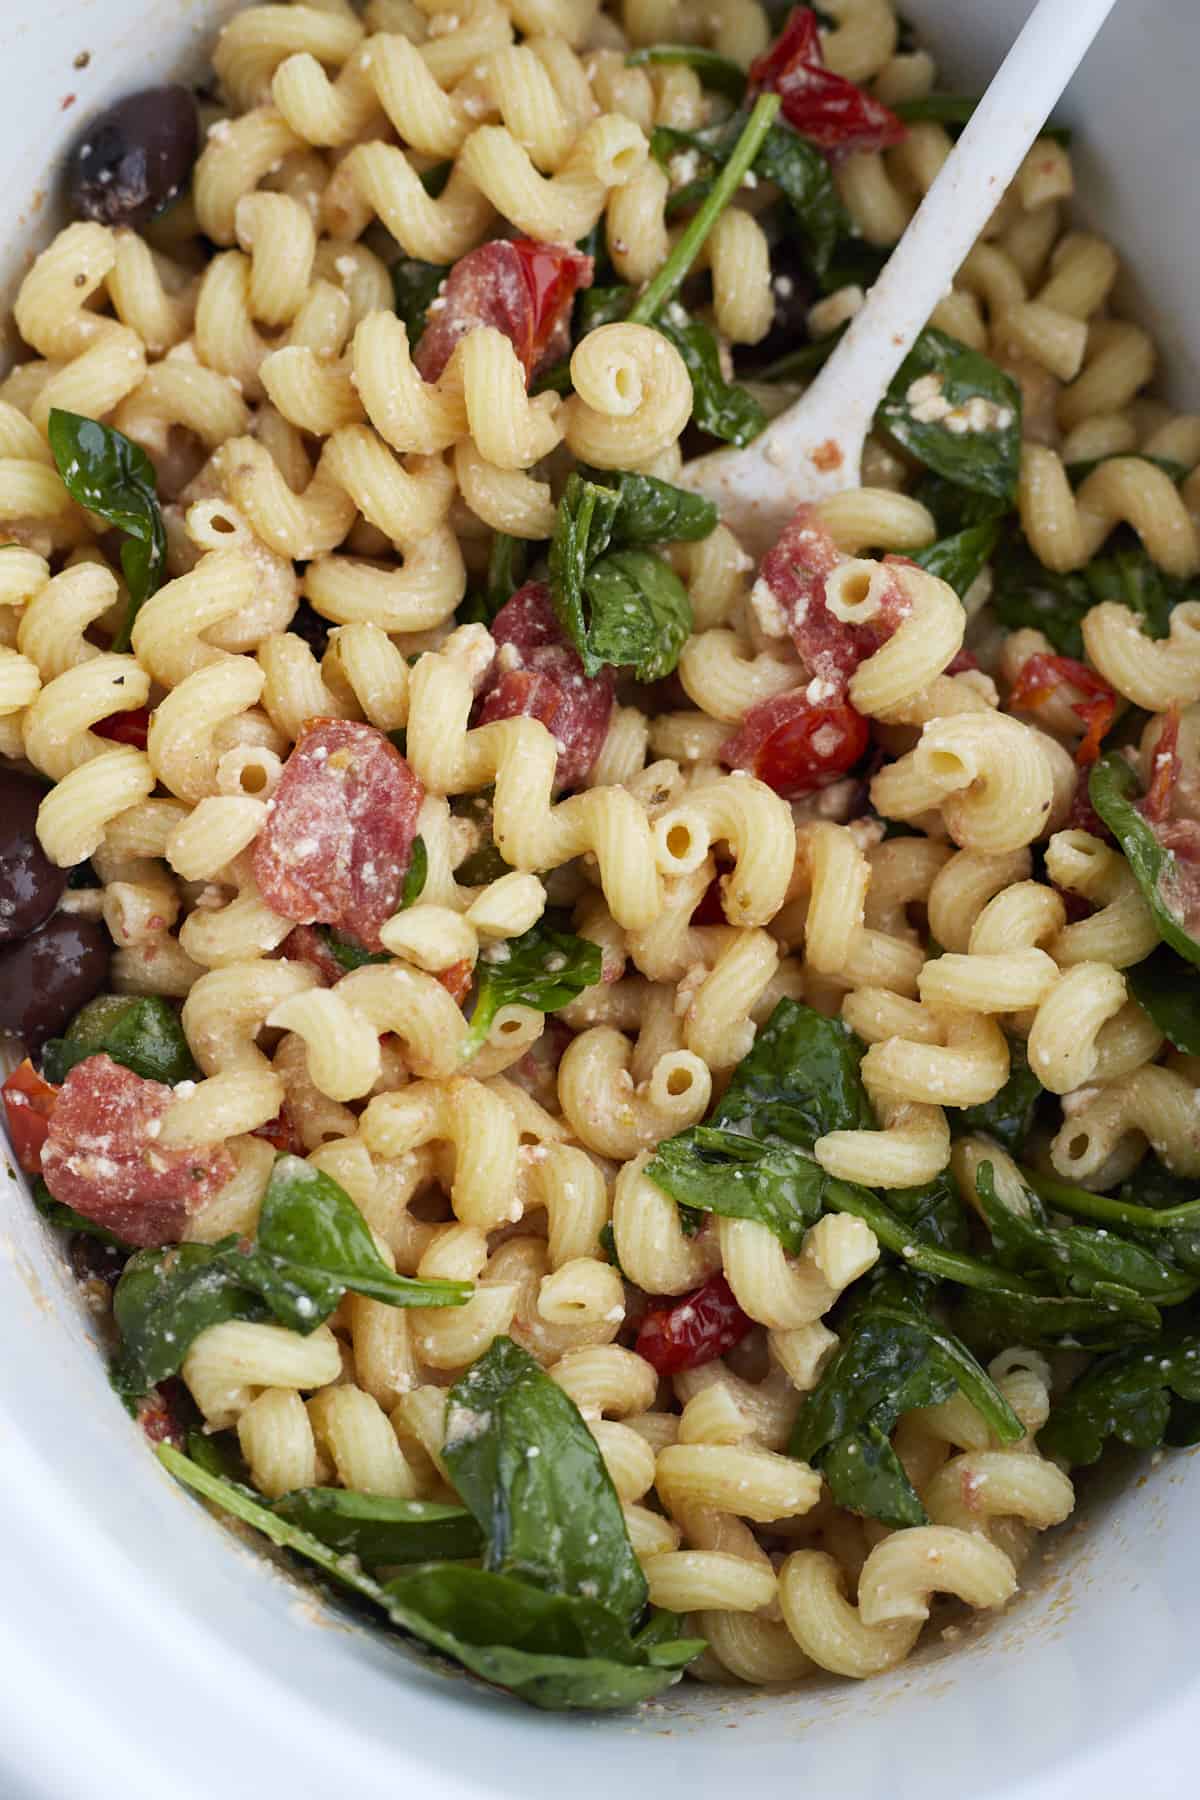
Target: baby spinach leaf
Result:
[[312, 1247], [219, 1453], [627, 608], [721, 408], [1132, 1396], [718, 72], [1113, 789], [933, 1214], [544, 968], [415, 285], [956, 509], [346, 951], [379, 1530], [728, 1173], [1130, 577], [639, 613], [1165, 987], [114, 478], [1007, 1116], [416, 875], [1078, 1258], [582, 533], [552, 1681], [1024, 593], [984, 458], [893, 1356], [653, 511], [960, 559], [993, 1319], [1078, 472], [800, 1080], [525, 1463], [751, 130], [142, 1033]]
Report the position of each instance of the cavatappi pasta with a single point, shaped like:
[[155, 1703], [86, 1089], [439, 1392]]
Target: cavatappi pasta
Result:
[[476, 933]]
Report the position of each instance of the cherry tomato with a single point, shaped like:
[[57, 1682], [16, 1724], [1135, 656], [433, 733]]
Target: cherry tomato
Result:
[[280, 1133], [1156, 806], [28, 1103], [1041, 675], [126, 727], [827, 109], [552, 272], [796, 745], [457, 980], [695, 1330]]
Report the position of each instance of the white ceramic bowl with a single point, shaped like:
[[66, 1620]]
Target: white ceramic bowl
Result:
[[144, 1653]]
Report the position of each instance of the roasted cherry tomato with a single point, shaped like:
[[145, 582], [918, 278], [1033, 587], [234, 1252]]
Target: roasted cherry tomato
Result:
[[695, 1330], [126, 727], [28, 1103], [797, 745], [827, 109], [1041, 675], [1156, 804]]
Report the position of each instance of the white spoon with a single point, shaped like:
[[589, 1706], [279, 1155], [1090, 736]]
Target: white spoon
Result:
[[815, 447]]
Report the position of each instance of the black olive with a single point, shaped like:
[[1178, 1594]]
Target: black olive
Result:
[[30, 885], [135, 158], [47, 977], [310, 626]]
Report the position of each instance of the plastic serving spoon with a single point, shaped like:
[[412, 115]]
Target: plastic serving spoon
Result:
[[815, 447]]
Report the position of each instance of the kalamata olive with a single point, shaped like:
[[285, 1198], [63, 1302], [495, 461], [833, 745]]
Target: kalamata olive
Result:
[[30, 885], [134, 159], [47, 977]]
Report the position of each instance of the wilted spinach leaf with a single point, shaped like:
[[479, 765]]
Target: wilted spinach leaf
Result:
[[1133, 1396], [379, 1530], [114, 478], [415, 285], [1164, 986], [544, 968], [143, 1033], [1007, 1116], [985, 459], [960, 559], [1113, 790]]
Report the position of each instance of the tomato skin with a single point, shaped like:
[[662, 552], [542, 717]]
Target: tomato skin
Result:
[[694, 1330], [280, 1132], [827, 109], [1041, 675], [457, 979], [28, 1104], [553, 273], [126, 727], [1156, 804], [796, 745]]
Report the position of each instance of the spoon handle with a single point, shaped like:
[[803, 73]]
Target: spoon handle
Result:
[[954, 211]]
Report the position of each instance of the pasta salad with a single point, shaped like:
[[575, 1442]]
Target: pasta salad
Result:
[[632, 1106]]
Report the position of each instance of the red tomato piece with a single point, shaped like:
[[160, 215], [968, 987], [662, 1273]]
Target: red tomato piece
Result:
[[457, 979], [794, 574], [308, 946], [1156, 804], [827, 109], [1180, 885], [161, 1413], [126, 727], [339, 835], [1042, 675], [962, 662], [28, 1105], [695, 1330], [518, 286], [280, 1132], [538, 675], [797, 746], [102, 1155]]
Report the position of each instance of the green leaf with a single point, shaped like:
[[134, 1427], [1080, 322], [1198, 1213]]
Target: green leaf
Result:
[[655, 512], [582, 533], [718, 72], [721, 408], [893, 1356], [1128, 1397], [986, 460], [960, 559], [663, 284], [144, 1034], [1113, 787], [112, 477], [1129, 576], [1024, 593], [1078, 1258], [800, 1080], [550, 1681], [379, 1530], [797, 168], [416, 875], [933, 1214], [415, 284], [1164, 986], [990, 1320], [346, 951], [312, 1247], [728, 1173], [639, 614], [1078, 472], [507, 561], [544, 968], [528, 1468], [1008, 1116]]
